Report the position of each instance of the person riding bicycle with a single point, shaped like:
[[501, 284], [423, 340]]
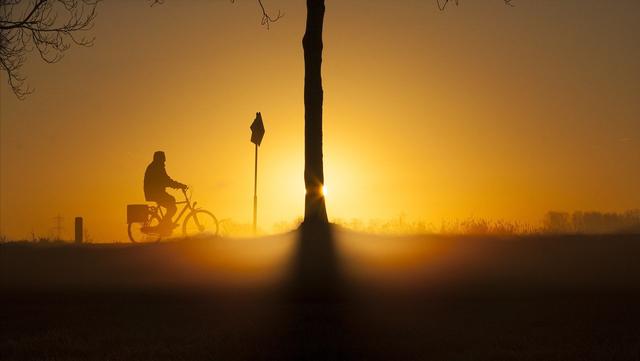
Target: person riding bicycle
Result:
[[156, 180]]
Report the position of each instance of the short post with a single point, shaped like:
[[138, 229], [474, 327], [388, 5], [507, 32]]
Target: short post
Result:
[[79, 230]]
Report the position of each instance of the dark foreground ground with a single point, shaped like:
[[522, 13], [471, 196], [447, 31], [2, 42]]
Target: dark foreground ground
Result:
[[312, 296]]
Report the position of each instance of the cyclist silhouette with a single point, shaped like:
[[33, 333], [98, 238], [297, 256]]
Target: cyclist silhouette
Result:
[[156, 180]]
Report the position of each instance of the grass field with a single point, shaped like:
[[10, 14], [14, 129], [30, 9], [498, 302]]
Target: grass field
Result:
[[318, 296]]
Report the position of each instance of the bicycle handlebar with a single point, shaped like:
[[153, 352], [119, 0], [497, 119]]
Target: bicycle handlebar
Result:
[[184, 192]]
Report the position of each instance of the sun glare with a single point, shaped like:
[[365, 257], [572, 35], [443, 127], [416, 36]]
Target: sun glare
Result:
[[324, 190]]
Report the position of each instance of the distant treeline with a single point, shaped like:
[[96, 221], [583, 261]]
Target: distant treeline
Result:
[[553, 223], [592, 222]]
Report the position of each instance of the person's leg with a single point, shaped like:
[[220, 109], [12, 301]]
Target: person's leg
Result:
[[168, 202]]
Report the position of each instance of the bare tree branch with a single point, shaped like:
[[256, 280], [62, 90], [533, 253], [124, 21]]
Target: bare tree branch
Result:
[[48, 26], [442, 4], [267, 18]]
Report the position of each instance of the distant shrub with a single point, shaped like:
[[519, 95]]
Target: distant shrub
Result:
[[286, 226], [229, 227], [592, 222], [557, 222], [482, 226], [397, 225]]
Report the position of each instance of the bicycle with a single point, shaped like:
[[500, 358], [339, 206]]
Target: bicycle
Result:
[[143, 221]]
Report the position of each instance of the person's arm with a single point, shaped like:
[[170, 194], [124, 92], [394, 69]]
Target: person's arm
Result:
[[170, 182]]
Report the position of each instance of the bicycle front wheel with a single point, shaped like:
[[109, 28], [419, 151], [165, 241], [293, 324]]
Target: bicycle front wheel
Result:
[[199, 222], [145, 232]]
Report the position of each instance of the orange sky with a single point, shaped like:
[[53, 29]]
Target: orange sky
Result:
[[483, 110]]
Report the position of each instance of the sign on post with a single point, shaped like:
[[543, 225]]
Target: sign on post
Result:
[[257, 133], [257, 130]]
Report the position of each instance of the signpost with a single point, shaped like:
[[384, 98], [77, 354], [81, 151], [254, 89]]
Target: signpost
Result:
[[257, 132]]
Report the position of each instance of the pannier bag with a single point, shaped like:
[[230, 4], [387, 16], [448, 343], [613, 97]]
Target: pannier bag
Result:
[[137, 213]]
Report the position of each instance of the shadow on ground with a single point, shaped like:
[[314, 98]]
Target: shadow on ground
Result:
[[324, 293]]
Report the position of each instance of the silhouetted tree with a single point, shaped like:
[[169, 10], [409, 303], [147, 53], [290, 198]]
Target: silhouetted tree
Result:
[[48, 26], [315, 211]]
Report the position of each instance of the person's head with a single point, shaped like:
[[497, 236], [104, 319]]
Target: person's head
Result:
[[159, 157]]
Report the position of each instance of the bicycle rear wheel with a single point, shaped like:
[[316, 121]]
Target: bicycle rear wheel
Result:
[[145, 232], [199, 222]]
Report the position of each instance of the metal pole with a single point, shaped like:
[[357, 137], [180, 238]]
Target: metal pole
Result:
[[255, 193]]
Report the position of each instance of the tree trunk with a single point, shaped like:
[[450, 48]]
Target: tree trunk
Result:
[[314, 211]]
